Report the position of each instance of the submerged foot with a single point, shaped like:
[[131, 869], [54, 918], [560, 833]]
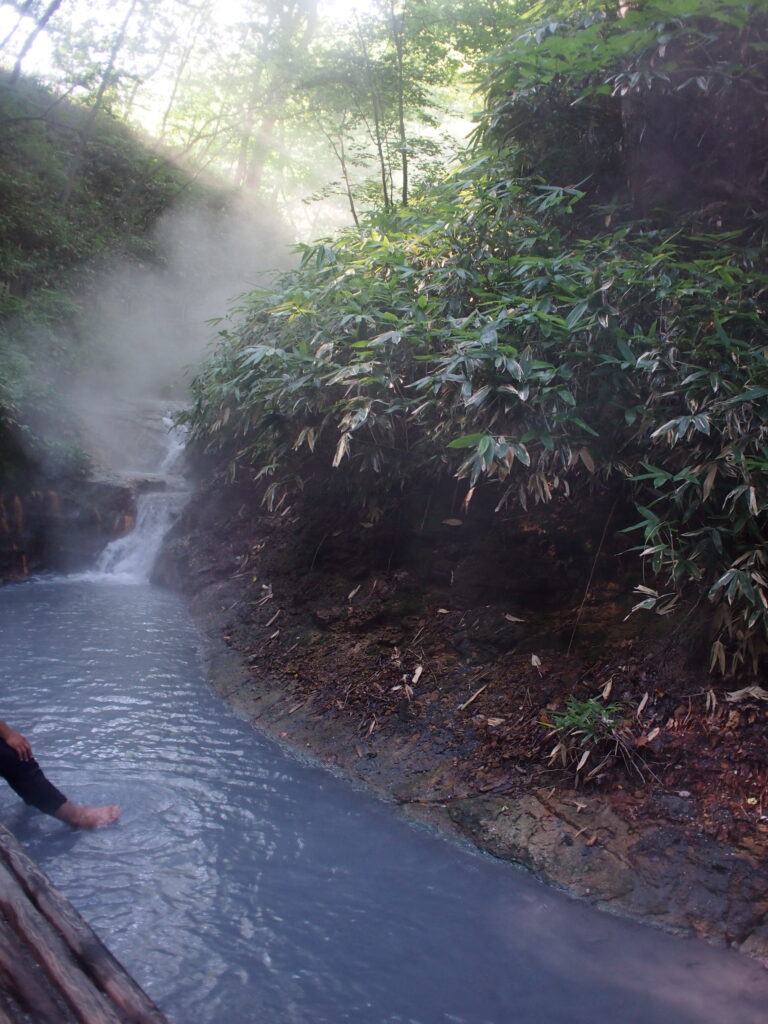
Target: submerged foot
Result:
[[87, 817]]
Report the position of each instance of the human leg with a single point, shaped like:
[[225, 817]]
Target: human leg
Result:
[[27, 778]]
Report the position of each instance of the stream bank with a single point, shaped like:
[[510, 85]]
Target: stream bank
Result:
[[426, 663]]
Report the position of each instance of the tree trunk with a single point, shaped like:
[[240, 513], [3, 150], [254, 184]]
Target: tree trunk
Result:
[[197, 26], [376, 134], [341, 156], [23, 11], [397, 27], [76, 163], [30, 40], [261, 146]]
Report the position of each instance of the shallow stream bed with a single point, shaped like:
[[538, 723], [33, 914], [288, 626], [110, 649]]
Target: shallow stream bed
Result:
[[242, 885]]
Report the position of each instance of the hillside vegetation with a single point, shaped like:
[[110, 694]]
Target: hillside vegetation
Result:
[[579, 309], [78, 190]]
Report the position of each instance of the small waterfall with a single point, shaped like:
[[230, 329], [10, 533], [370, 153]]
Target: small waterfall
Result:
[[134, 555], [173, 459], [130, 558]]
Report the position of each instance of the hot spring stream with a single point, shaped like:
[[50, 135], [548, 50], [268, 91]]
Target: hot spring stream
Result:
[[242, 885]]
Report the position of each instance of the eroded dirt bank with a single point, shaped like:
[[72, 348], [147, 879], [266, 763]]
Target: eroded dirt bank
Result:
[[428, 662]]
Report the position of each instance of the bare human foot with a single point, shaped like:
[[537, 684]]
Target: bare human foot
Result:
[[87, 817]]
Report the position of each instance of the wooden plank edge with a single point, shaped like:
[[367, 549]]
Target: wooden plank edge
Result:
[[95, 958]]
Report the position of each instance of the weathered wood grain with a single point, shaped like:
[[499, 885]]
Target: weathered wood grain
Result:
[[95, 959], [53, 968], [22, 979], [50, 951]]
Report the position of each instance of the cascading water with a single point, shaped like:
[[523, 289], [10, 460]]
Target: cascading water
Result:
[[172, 463], [130, 558]]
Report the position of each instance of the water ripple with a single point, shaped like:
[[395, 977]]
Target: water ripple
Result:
[[243, 886]]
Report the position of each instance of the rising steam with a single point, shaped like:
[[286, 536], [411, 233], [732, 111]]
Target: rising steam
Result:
[[149, 323]]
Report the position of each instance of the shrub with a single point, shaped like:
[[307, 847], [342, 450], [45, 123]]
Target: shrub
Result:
[[485, 332]]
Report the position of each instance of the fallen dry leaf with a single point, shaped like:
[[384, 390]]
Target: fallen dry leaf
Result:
[[755, 692], [583, 760]]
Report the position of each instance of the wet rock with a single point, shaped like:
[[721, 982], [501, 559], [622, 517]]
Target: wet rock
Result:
[[61, 525], [581, 844], [756, 944], [586, 857], [677, 807]]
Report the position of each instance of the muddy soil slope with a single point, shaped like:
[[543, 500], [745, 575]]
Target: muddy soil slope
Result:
[[480, 669]]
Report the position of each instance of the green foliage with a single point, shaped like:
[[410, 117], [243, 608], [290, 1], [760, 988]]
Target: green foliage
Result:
[[477, 337], [591, 734], [586, 721], [657, 107], [504, 331], [72, 193]]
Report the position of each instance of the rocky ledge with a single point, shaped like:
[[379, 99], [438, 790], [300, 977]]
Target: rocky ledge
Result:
[[60, 525]]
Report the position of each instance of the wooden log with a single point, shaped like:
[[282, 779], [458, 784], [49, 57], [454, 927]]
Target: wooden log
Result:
[[50, 951], [5, 1011], [94, 957], [21, 978]]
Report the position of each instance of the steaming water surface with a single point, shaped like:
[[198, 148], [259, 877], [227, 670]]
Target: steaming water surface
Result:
[[244, 886]]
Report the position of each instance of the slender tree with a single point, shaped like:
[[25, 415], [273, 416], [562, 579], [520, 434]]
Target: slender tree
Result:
[[40, 24]]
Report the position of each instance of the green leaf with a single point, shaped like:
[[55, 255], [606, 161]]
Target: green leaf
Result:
[[479, 396], [750, 395], [468, 441], [584, 426], [576, 313], [626, 351], [521, 453]]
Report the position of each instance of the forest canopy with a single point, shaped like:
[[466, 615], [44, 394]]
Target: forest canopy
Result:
[[296, 99]]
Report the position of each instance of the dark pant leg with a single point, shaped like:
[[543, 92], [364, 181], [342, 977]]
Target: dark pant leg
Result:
[[27, 779]]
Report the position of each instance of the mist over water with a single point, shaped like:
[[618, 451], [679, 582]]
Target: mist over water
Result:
[[150, 322]]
